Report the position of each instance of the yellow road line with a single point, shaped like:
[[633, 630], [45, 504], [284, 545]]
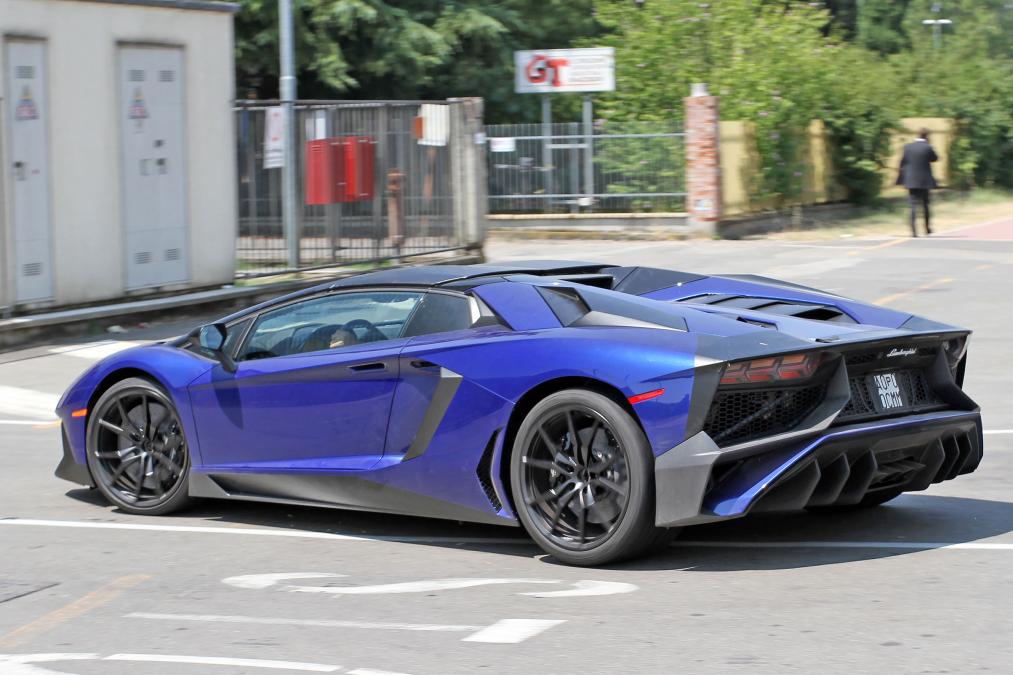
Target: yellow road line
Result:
[[887, 299], [71, 611], [884, 244]]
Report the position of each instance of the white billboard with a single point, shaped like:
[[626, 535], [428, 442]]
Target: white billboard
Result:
[[548, 71]]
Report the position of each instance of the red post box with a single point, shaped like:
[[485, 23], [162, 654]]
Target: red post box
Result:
[[358, 168], [321, 172], [340, 169]]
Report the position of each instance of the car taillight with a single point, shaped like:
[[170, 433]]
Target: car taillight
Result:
[[772, 369]]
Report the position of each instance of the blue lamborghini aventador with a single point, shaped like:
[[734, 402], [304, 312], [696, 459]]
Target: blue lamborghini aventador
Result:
[[598, 407]]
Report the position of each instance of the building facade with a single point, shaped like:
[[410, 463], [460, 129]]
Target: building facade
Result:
[[117, 153]]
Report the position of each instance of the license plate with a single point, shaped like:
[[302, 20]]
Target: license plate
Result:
[[886, 392]]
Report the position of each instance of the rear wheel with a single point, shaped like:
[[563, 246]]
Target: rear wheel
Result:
[[582, 479], [136, 449]]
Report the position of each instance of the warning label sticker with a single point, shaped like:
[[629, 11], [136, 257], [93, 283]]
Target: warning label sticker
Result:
[[138, 109], [26, 108]]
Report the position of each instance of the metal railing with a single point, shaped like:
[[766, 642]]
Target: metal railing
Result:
[[411, 199], [567, 167]]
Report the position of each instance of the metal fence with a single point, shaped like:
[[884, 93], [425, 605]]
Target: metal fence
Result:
[[427, 191], [606, 167]]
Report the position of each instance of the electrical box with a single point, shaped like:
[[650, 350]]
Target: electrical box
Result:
[[340, 169]]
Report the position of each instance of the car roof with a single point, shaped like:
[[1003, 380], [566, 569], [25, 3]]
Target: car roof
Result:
[[629, 280], [440, 275]]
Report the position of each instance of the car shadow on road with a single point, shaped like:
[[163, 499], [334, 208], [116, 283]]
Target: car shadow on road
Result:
[[778, 541], [743, 544]]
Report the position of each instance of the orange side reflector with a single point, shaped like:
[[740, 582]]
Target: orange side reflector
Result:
[[646, 396], [79, 413]]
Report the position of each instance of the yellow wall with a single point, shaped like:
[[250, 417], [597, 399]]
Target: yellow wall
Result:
[[740, 163]]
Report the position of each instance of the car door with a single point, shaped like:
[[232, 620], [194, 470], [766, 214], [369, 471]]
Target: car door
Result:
[[313, 385], [427, 388]]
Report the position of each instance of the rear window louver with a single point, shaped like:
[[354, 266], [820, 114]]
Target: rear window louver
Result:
[[800, 310]]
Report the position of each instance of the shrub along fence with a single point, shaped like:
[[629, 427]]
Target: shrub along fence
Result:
[[814, 170]]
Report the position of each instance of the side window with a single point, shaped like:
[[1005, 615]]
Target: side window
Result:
[[441, 313], [234, 335], [330, 322]]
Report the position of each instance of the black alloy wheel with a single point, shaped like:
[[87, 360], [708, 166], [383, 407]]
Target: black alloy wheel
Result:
[[137, 452], [582, 479]]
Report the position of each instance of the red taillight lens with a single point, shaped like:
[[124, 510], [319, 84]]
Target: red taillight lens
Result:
[[790, 367]]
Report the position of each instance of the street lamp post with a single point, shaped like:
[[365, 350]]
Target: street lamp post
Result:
[[937, 25], [286, 83]]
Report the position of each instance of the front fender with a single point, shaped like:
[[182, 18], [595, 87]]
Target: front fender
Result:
[[170, 367]]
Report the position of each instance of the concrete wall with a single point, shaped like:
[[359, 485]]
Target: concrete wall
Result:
[[82, 38], [740, 163]]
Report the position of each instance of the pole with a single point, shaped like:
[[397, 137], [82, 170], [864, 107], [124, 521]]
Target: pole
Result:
[[287, 83], [588, 152], [547, 167]]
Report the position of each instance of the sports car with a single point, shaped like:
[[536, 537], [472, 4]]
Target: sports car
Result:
[[599, 407]]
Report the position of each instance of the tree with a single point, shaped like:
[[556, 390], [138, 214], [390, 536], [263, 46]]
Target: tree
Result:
[[772, 63], [880, 26], [372, 49]]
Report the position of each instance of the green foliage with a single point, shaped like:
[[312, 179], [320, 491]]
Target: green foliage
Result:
[[858, 65], [372, 49], [628, 164], [878, 26], [772, 63]]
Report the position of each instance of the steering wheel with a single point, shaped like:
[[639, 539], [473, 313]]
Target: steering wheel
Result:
[[373, 333]]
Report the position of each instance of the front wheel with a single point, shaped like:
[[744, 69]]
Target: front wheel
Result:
[[137, 452], [582, 479]]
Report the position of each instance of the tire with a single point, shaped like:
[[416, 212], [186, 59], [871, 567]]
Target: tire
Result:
[[589, 503], [136, 449]]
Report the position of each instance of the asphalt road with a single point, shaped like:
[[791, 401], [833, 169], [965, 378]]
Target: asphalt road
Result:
[[922, 585]]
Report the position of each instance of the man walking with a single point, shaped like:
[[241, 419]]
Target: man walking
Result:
[[916, 176]]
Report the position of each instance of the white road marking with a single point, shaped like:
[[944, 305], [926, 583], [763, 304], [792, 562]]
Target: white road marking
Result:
[[27, 423], [503, 631], [370, 671], [988, 432], [27, 403], [261, 581], [912, 545], [95, 351], [294, 534], [424, 586], [580, 588], [585, 588], [512, 631], [225, 661], [21, 664], [318, 623], [31, 522]]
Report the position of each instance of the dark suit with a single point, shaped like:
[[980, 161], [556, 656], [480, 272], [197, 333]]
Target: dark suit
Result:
[[916, 176]]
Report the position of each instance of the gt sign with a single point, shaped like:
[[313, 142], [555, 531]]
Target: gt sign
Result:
[[547, 71]]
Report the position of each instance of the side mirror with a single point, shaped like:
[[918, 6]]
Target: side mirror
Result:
[[211, 337]]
